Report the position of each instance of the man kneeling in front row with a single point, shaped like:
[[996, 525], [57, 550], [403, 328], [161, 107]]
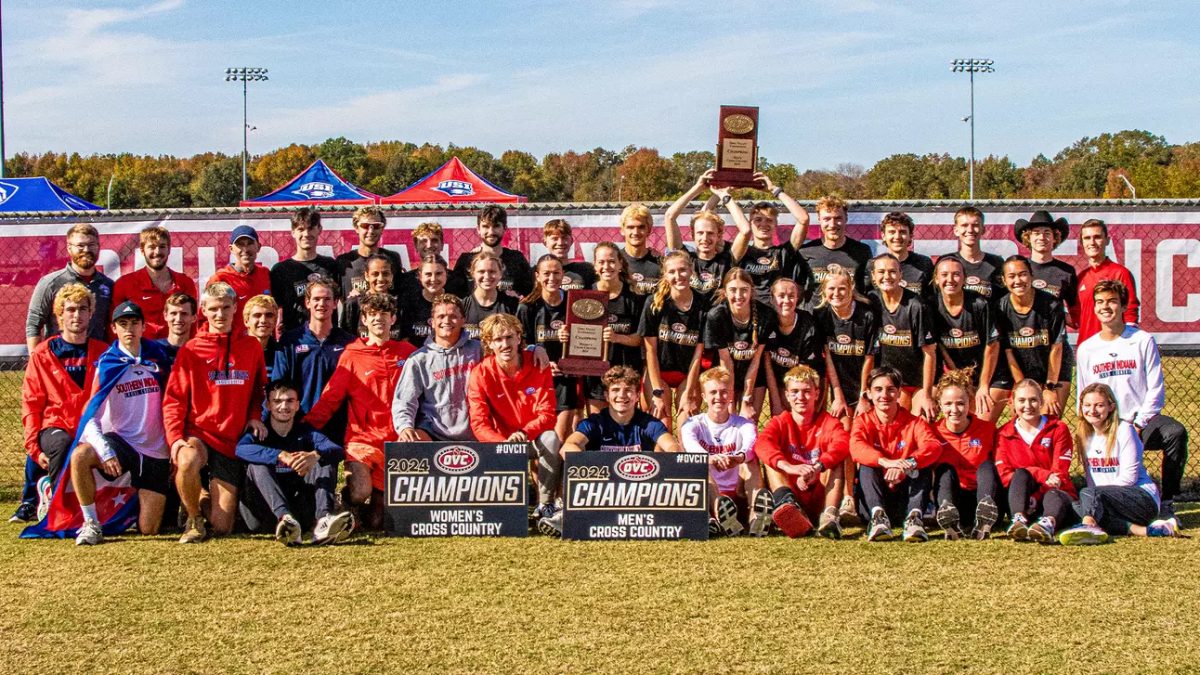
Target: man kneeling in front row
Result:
[[291, 476], [123, 427]]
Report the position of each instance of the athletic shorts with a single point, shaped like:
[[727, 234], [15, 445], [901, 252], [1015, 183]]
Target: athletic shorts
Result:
[[726, 479], [566, 393], [146, 473], [373, 458], [673, 378], [229, 469]]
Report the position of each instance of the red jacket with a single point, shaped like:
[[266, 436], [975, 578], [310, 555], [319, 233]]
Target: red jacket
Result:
[[49, 397], [501, 405], [905, 437], [217, 385], [1084, 312], [1050, 452], [783, 440], [966, 451], [366, 376], [138, 288], [257, 282]]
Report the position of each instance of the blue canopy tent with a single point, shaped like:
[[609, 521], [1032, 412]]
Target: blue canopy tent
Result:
[[314, 186], [38, 194]]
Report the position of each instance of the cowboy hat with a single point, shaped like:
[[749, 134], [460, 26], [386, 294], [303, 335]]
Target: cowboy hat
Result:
[[1042, 219]]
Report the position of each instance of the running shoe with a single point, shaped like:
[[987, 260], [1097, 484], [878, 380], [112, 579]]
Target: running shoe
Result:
[[986, 514], [1019, 530], [287, 532], [45, 492], [790, 520], [26, 513], [551, 525], [948, 520], [1042, 531], [1083, 535], [90, 534], [881, 527], [760, 513], [1168, 527], [194, 531], [333, 528], [914, 528], [829, 525], [727, 516], [848, 513]]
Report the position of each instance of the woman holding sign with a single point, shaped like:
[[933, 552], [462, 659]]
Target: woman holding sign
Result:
[[624, 344]]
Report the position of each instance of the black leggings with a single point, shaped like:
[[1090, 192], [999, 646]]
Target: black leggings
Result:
[[1055, 503], [947, 489]]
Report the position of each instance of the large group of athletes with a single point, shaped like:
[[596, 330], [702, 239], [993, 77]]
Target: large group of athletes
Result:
[[886, 375]]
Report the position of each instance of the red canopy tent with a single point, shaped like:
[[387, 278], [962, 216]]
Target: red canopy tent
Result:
[[453, 182]]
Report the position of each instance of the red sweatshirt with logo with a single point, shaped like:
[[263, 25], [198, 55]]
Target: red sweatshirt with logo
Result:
[[217, 384], [1050, 453], [138, 288], [500, 404], [785, 440], [365, 378], [905, 437], [1084, 311], [247, 285], [50, 397], [966, 451]]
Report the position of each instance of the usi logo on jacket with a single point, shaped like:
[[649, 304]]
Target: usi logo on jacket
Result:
[[228, 377]]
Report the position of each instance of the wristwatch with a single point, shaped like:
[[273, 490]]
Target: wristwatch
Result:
[[656, 393], [726, 199], [819, 466], [1051, 386]]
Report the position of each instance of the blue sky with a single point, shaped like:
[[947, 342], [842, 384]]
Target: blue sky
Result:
[[837, 81]]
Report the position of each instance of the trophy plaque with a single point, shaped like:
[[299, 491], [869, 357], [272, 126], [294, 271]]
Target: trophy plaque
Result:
[[737, 147], [587, 316]]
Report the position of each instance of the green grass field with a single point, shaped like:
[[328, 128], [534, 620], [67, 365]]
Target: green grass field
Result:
[[246, 604]]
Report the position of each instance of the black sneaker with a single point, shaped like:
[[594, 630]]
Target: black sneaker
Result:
[[948, 520], [727, 516], [25, 513]]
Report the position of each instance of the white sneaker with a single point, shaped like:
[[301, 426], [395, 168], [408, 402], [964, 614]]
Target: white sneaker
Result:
[[287, 532], [45, 492], [333, 528], [90, 534], [1168, 527]]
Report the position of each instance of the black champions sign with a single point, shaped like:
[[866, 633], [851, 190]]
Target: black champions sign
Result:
[[610, 495], [457, 489]]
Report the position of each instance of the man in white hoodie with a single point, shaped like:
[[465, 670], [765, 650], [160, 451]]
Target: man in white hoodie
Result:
[[1126, 359]]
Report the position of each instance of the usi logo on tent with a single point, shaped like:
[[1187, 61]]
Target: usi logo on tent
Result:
[[455, 188], [7, 191], [315, 190]]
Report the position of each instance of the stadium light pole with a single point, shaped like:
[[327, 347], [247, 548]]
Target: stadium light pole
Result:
[[245, 75], [972, 66], [1, 96]]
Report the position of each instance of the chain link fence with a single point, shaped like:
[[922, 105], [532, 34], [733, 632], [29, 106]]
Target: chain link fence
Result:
[[1157, 240]]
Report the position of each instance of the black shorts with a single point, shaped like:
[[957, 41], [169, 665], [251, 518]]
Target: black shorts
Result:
[[566, 393], [147, 473], [229, 469]]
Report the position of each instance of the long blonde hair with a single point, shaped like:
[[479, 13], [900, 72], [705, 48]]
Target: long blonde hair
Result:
[[664, 287], [1083, 428]]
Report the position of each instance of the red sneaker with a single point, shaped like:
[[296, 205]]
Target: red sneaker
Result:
[[791, 520]]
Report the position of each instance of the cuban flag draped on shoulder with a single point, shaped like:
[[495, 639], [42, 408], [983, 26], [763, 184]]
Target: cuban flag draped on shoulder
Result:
[[116, 500]]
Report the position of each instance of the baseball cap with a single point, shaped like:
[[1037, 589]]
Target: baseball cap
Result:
[[242, 231], [126, 310]]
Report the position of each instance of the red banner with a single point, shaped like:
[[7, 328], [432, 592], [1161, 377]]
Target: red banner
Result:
[[1162, 248]]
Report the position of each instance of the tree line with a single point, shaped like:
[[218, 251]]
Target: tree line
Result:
[[1089, 168]]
